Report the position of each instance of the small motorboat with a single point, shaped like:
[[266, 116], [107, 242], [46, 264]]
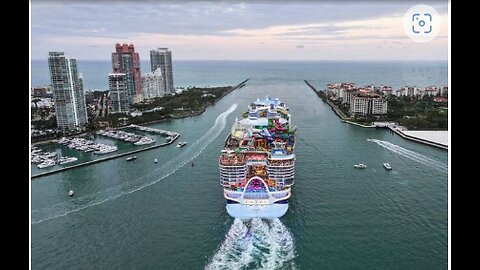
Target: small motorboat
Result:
[[131, 158], [156, 160], [360, 166], [70, 193], [387, 166], [181, 144]]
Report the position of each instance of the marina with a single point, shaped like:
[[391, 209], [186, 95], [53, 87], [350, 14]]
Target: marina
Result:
[[48, 159], [136, 139], [105, 158]]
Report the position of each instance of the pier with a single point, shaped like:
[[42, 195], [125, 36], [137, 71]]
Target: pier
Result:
[[105, 158], [154, 130], [421, 139], [337, 111]]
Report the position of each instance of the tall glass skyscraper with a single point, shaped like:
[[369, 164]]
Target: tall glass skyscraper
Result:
[[68, 95], [117, 94], [162, 58], [126, 60]]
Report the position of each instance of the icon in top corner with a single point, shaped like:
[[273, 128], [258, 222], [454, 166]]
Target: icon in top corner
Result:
[[422, 23]]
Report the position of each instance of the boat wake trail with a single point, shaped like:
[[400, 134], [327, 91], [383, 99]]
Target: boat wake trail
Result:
[[412, 155], [167, 169], [255, 244]]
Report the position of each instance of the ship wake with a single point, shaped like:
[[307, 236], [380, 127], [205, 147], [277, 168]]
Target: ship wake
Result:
[[412, 155], [83, 202], [255, 244]]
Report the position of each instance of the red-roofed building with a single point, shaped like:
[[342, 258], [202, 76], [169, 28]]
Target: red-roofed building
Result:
[[440, 99]]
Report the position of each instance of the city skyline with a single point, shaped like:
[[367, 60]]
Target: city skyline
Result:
[[232, 30]]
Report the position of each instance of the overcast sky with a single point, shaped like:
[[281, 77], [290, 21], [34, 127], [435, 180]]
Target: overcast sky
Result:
[[230, 30]]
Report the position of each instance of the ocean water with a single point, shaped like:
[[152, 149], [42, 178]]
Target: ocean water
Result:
[[214, 73], [171, 215]]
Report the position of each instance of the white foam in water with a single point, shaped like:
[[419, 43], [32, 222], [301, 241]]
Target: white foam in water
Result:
[[255, 244], [62, 209], [412, 155]]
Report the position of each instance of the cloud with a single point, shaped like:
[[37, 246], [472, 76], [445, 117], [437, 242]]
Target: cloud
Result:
[[216, 29]]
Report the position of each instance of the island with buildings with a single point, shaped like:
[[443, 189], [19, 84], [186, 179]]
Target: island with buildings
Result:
[[413, 113]]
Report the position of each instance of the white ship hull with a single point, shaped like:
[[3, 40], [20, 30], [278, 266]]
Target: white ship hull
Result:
[[246, 211]]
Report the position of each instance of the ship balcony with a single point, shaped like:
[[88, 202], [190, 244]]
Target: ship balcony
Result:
[[281, 170], [233, 177], [281, 163], [281, 194], [253, 195], [232, 194], [232, 168], [286, 181], [271, 196], [230, 173], [281, 175], [232, 163]]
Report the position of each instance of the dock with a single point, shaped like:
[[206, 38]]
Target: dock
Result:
[[421, 138], [105, 158], [154, 130]]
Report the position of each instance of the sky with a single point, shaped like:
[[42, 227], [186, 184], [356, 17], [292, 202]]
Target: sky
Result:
[[234, 30]]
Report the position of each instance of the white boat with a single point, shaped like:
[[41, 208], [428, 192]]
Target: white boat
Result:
[[64, 160], [156, 160], [181, 144], [105, 150], [145, 140], [70, 193], [387, 166], [360, 166], [131, 158], [47, 163]]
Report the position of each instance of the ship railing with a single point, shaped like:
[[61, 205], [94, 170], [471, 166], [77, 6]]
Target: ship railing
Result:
[[233, 195], [279, 195], [255, 195], [281, 173], [280, 163], [281, 170], [232, 163]]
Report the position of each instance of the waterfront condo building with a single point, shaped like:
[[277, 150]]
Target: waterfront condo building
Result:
[[153, 84], [118, 93], [161, 58], [126, 60], [68, 95], [367, 104]]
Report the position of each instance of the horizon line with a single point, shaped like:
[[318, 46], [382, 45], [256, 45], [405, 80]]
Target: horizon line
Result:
[[282, 60]]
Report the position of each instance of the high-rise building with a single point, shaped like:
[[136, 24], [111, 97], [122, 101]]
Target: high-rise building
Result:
[[68, 95], [368, 104], [162, 58], [153, 85], [118, 93], [126, 60]]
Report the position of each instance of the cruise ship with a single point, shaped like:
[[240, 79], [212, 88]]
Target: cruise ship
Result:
[[257, 164]]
